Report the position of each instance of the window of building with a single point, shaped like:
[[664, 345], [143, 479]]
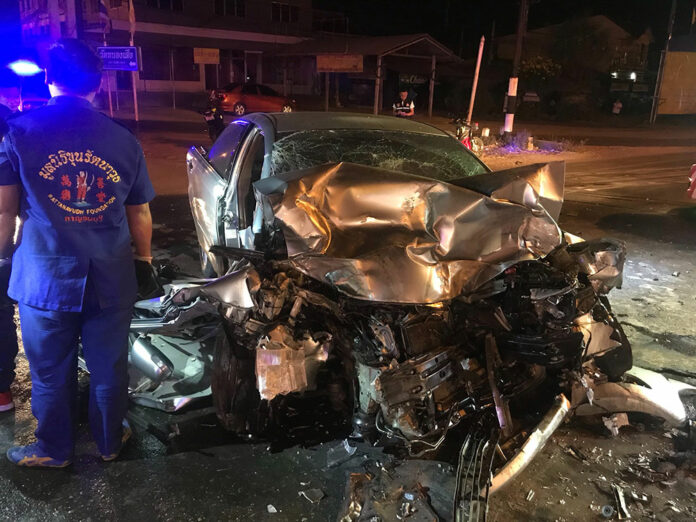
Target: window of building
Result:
[[281, 12], [157, 64], [168, 5], [230, 8]]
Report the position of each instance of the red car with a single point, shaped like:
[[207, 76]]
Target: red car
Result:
[[691, 191], [242, 98]]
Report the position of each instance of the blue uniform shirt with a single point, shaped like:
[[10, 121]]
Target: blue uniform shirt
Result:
[[77, 169]]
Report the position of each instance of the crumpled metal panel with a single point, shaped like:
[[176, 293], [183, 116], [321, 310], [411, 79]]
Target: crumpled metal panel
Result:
[[387, 236], [603, 262], [236, 288]]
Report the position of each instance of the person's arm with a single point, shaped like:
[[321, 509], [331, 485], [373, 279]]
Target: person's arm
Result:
[[412, 111], [140, 224], [9, 208]]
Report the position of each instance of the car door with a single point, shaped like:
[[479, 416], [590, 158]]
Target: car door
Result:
[[269, 100], [250, 95], [209, 175]]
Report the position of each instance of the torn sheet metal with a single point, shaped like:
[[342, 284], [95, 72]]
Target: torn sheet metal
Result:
[[387, 236], [603, 262], [641, 391]]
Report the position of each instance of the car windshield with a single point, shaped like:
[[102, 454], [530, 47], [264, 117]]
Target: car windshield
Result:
[[437, 157]]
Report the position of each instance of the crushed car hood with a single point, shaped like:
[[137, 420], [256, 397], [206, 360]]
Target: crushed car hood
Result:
[[387, 236]]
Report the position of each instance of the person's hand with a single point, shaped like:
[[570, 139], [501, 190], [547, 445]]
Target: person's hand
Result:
[[148, 283]]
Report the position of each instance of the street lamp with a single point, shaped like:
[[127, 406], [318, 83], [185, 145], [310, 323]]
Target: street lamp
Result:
[[23, 68]]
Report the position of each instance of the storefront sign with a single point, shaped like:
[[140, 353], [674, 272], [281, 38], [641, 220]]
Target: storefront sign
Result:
[[204, 55], [340, 63]]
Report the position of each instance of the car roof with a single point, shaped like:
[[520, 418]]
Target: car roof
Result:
[[283, 122]]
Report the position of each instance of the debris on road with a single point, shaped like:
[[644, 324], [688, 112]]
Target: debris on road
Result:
[[271, 509], [314, 495], [340, 453], [615, 422]]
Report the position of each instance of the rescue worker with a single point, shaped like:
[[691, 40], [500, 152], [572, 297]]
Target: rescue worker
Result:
[[73, 271], [8, 328], [404, 107]]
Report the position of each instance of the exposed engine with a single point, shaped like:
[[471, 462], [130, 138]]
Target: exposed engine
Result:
[[411, 372]]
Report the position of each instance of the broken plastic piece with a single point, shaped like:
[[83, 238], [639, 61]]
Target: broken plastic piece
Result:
[[271, 508], [340, 453], [619, 497], [314, 495], [615, 422]]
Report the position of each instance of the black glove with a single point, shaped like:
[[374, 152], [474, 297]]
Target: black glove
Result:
[[148, 283]]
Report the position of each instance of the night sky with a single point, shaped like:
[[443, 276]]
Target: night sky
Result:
[[460, 23]]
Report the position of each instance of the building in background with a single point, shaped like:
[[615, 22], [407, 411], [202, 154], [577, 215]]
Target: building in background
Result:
[[192, 45]]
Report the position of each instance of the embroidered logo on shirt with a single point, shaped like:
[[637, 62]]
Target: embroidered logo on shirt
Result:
[[80, 185]]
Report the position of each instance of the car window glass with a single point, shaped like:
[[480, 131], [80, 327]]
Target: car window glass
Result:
[[432, 156], [267, 91], [225, 147], [250, 172], [230, 87], [249, 89]]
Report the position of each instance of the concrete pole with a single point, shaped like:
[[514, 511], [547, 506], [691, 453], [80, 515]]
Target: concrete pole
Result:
[[663, 59], [327, 85], [511, 101], [378, 85], [171, 76], [476, 77], [134, 81], [70, 19], [431, 88], [54, 19]]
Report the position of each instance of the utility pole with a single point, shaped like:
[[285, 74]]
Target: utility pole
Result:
[[475, 84], [663, 59], [511, 98]]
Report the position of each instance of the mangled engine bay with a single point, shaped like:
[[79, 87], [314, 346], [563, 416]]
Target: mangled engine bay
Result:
[[403, 305]]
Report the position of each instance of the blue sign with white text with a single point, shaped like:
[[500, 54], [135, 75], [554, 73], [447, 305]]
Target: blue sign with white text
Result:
[[119, 58]]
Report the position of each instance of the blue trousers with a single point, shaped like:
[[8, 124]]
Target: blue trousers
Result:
[[8, 345], [51, 345], [8, 333]]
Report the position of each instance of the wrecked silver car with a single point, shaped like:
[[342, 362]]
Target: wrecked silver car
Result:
[[373, 269]]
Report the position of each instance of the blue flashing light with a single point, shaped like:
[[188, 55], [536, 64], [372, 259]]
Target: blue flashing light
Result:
[[24, 68]]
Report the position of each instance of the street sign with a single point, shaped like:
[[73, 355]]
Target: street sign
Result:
[[205, 55], [119, 58], [340, 63]]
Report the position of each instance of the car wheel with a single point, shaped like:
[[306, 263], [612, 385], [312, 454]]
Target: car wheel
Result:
[[287, 108], [206, 266], [239, 109]]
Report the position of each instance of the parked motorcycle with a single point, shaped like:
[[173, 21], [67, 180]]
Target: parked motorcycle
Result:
[[468, 135]]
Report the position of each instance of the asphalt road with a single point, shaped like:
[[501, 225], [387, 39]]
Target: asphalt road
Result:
[[181, 470]]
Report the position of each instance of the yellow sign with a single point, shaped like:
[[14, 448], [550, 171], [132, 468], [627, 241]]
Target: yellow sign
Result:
[[204, 55], [678, 90], [340, 63]]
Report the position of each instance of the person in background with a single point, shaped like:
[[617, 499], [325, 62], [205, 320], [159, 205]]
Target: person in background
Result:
[[73, 271], [404, 107], [616, 107]]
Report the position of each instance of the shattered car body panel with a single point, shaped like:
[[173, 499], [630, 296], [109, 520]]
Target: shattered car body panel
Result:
[[392, 237]]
